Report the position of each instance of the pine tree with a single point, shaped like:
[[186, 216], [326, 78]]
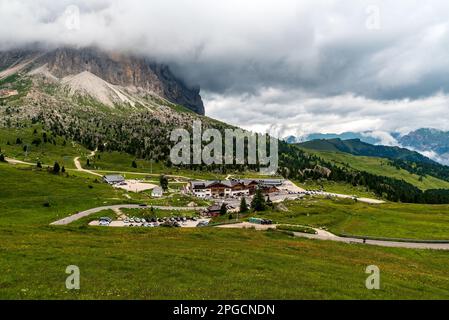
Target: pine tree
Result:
[[243, 206], [258, 203], [164, 182], [223, 209], [269, 202], [56, 168]]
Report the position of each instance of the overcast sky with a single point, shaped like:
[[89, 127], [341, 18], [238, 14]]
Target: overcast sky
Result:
[[294, 66]]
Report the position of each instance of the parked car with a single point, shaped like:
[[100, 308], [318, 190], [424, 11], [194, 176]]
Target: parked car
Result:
[[202, 224], [137, 220]]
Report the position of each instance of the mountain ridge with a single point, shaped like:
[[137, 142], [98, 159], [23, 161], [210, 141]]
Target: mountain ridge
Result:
[[360, 148], [132, 72]]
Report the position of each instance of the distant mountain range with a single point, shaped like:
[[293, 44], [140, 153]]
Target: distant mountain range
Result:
[[360, 148], [432, 143], [363, 136], [408, 160]]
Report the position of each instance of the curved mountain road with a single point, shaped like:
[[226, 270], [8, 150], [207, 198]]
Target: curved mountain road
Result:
[[327, 236], [86, 213]]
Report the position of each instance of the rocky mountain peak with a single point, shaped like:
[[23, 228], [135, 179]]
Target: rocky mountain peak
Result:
[[114, 68]]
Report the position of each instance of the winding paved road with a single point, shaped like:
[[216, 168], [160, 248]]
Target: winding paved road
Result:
[[87, 213], [327, 236]]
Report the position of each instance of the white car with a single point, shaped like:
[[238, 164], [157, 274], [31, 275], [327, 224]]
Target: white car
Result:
[[104, 223]]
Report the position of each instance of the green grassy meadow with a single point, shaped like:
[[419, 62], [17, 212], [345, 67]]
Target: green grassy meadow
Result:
[[122, 162], [337, 187], [390, 220], [206, 263], [47, 153], [380, 166]]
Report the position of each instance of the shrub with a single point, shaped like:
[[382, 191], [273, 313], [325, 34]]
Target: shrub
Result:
[[56, 168]]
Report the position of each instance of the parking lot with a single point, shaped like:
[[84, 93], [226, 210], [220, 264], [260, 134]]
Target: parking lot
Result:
[[180, 222], [135, 186]]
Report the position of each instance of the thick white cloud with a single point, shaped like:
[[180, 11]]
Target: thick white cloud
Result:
[[299, 66], [297, 113]]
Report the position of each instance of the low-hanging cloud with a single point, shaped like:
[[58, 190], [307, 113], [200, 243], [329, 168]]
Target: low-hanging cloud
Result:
[[304, 65], [300, 113]]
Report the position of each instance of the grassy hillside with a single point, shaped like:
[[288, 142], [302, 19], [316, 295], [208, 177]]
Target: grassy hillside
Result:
[[390, 220], [25, 193], [182, 264], [359, 148], [381, 167], [55, 149], [208, 264], [337, 187], [120, 161]]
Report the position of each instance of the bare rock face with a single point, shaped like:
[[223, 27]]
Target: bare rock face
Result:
[[117, 69]]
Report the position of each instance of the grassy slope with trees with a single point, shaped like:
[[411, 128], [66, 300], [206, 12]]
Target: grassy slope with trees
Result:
[[166, 263], [381, 166], [390, 220]]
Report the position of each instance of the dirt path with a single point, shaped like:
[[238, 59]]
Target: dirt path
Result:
[[14, 161], [80, 168]]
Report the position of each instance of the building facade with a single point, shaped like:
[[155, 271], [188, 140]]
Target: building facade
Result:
[[231, 188]]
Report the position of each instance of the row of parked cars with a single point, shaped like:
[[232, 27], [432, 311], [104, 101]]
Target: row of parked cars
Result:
[[156, 222]]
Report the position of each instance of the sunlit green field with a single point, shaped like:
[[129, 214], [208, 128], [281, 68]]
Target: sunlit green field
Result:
[[160, 263], [380, 166], [122, 162], [24, 194], [208, 264], [337, 187], [46, 153], [390, 220]]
